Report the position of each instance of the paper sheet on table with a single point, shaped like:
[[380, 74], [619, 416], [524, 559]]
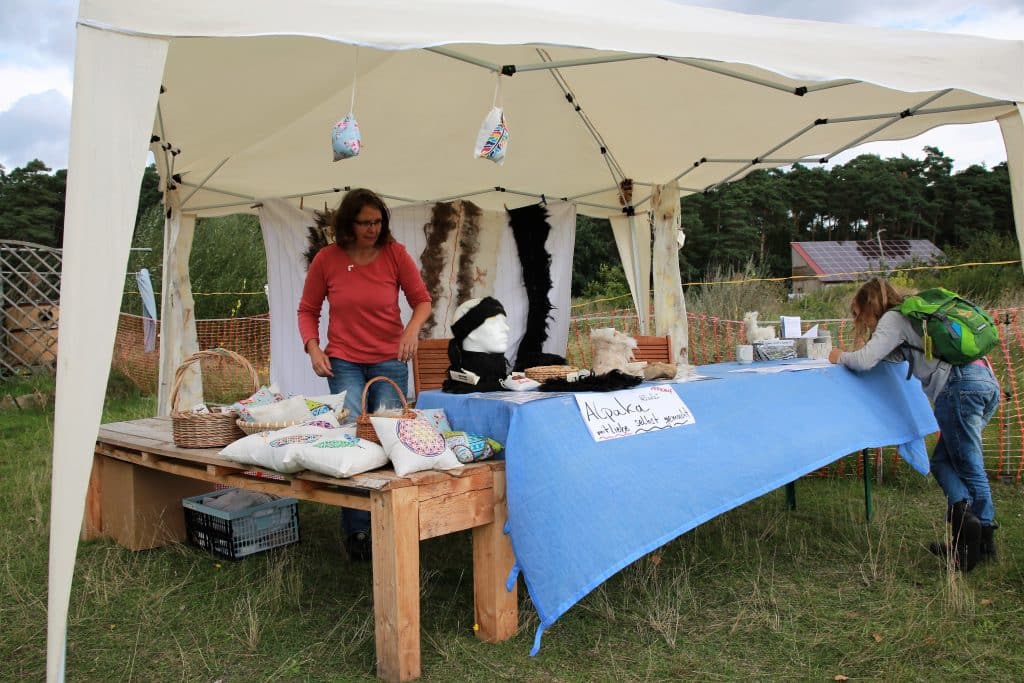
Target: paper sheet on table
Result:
[[795, 366], [811, 333], [790, 326]]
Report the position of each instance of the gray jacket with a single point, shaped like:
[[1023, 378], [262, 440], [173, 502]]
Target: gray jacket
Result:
[[893, 329]]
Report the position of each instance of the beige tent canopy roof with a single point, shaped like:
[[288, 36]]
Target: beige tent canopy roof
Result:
[[594, 92]]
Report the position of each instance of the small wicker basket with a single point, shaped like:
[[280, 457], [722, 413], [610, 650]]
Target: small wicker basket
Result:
[[257, 427], [364, 428], [539, 373], [206, 430]]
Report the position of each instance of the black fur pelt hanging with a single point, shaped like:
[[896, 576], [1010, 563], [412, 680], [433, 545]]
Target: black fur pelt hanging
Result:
[[318, 235], [530, 229], [613, 380]]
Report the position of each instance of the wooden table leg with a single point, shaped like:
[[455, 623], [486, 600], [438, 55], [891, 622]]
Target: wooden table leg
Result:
[[396, 582], [92, 521], [496, 609]]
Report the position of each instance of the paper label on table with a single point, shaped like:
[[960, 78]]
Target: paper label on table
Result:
[[615, 414], [790, 326]]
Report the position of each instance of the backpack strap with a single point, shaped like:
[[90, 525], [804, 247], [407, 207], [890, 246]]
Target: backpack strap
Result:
[[905, 348]]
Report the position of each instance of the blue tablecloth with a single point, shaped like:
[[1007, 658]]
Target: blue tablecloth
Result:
[[579, 511]]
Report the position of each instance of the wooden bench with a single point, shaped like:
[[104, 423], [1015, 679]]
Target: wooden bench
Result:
[[430, 364], [654, 349], [139, 478]]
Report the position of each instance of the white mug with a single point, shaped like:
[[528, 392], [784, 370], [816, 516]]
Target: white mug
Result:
[[744, 353]]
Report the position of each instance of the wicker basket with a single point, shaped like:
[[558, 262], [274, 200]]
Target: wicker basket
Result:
[[540, 373], [206, 430], [257, 427], [364, 428]]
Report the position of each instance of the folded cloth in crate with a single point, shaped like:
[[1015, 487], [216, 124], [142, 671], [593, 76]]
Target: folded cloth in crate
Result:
[[237, 499]]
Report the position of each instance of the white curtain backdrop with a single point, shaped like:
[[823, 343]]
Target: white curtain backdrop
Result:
[[623, 240], [178, 339], [284, 234], [1012, 128], [117, 81]]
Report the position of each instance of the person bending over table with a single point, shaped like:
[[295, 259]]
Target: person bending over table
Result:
[[360, 276], [964, 398]]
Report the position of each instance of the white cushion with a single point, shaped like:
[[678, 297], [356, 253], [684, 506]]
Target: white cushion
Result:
[[289, 410], [340, 453], [413, 445]]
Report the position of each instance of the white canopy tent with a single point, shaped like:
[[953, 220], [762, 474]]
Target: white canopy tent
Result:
[[241, 97]]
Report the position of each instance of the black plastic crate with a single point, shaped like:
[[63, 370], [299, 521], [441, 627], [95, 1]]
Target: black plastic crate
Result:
[[240, 533]]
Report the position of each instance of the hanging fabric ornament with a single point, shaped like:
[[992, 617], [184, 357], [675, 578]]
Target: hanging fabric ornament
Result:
[[345, 137], [492, 139]]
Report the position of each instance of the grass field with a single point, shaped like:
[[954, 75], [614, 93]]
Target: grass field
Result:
[[758, 593]]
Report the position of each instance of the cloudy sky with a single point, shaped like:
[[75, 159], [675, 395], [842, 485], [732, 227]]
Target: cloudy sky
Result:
[[37, 51]]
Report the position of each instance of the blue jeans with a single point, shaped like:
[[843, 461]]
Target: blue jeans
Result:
[[964, 407], [351, 378]]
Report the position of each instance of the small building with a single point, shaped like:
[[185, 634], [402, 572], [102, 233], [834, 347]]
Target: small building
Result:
[[820, 264]]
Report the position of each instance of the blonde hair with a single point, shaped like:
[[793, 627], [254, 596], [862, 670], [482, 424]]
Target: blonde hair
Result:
[[872, 300]]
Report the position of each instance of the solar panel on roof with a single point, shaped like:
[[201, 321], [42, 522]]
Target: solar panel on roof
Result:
[[846, 260]]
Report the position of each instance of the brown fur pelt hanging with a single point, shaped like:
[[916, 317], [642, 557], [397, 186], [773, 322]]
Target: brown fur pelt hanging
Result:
[[626, 191], [443, 220], [319, 235], [464, 217], [469, 245]]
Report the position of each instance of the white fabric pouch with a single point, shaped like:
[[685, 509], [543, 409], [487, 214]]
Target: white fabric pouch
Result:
[[492, 139]]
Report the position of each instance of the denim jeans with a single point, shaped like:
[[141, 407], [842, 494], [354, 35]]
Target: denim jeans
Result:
[[964, 407], [351, 378]]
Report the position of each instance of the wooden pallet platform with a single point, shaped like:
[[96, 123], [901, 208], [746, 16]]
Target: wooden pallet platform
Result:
[[139, 478]]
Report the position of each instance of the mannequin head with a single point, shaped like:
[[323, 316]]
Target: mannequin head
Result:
[[481, 326]]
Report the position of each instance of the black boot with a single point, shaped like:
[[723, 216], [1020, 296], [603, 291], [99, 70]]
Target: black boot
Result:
[[359, 546], [967, 531], [987, 547]]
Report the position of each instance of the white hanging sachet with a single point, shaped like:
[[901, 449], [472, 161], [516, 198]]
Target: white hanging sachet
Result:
[[345, 137], [492, 138]]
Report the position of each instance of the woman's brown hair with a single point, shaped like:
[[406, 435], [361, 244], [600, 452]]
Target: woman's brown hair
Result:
[[345, 216], [874, 298]]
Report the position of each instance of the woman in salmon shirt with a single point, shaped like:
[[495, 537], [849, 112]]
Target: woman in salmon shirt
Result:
[[360, 276]]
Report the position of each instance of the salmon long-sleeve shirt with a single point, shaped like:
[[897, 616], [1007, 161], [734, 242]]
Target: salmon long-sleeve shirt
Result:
[[364, 323]]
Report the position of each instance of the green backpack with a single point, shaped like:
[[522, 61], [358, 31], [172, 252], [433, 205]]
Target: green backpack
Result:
[[954, 329]]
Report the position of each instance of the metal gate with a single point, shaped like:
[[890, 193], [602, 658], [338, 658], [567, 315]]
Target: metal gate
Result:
[[29, 306]]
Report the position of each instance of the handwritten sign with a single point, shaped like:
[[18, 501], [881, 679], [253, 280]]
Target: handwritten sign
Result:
[[615, 414]]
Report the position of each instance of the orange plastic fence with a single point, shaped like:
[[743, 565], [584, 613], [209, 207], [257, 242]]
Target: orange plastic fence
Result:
[[712, 340]]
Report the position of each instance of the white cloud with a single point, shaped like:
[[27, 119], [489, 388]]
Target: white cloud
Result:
[[36, 127], [17, 81]]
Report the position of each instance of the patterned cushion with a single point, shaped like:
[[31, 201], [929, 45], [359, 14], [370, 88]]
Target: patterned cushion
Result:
[[413, 445]]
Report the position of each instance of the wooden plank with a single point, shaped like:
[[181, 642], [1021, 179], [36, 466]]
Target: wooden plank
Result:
[[479, 478], [147, 511], [92, 522], [496, 609], [450, 513], [394, 521]]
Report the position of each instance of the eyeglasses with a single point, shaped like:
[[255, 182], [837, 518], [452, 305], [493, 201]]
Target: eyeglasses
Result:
[[369, 224]]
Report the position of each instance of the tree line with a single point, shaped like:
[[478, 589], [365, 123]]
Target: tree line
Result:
[[728, 227], [758, 216]]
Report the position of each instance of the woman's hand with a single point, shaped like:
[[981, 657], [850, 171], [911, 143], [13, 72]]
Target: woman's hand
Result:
[[834, 354], [407, 345], [321, 363]]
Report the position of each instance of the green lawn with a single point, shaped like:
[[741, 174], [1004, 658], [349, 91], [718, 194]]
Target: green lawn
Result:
[[760, 592]]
